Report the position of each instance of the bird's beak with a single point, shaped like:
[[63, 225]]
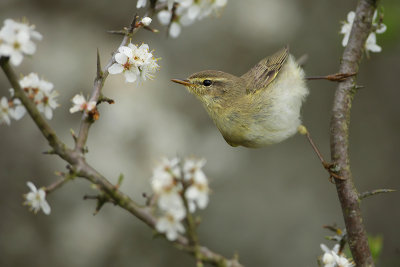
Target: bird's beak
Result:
[[183, 82]]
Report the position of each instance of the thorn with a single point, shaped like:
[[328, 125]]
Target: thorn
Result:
[[133, 24], [73, 135], [101, 200], [150, 29], [105, 99], [85, 150], [49, 152], [337, 77], [357, 87], [99, 71], [58, 173], [120, 32], [118, 184], [333, 228], [374, 192]]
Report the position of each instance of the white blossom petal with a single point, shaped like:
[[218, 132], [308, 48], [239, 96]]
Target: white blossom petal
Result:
[[115, 68], [174, 30], [141, 3], [121, 58], [130, 76], [164, 17]]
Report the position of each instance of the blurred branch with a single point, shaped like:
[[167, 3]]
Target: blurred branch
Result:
[[80, 168], [340, 120]]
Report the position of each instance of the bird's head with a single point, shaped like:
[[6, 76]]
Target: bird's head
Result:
[[213, 87]]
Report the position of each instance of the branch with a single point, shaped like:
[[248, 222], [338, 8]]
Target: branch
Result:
[[98, 85], [80, 168], [340, 121]]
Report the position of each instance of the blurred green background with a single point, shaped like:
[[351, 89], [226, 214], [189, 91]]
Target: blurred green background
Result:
[[267, 204]]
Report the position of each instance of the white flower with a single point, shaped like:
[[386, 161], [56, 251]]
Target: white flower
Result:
[[332, 259], [32, 85], [171, 201], [342, 261], [187, 12], [146, 21], [346, 27], [168, 188], [165, 173], [11, 109], [5, 111], [380, 27], [41, 92], [192, 170], [370, 44], [46, 102], [174, 29], [171, 225], [36, 199], [198, 191], [16, 40], [137, 63], [197, 194], [164, 16], [141, 3], [18, 110], [80, 104]]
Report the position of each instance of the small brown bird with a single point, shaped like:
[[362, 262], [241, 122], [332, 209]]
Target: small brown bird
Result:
[[259, 108]]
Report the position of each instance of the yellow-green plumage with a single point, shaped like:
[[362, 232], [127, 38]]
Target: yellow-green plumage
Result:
[[261, 107]]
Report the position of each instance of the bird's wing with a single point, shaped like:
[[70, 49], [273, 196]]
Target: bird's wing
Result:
[[265, 71]]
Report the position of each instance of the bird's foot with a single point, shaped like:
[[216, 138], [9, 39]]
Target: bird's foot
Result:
[[333, 170]]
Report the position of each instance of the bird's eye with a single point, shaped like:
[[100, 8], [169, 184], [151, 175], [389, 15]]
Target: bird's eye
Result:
[[207, 82]]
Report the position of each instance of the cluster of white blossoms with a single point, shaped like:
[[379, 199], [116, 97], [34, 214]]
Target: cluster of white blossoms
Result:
[[332, 258], [41, 93], [370, 44], [16, 40], [175, 183], [136, 63], [186, 12], [38, 90], [36, 199]]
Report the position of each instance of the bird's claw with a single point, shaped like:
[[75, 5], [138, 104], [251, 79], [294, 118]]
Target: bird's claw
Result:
[[333, 171]]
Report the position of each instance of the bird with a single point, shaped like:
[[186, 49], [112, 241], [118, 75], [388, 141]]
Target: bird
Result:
[[259, 108]]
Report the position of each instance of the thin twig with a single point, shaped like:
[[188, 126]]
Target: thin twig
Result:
[[98, 85], [337, 77], [56, 185], [375, 192]]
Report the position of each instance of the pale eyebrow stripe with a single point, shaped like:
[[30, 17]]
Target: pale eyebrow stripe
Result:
[[211, 78]]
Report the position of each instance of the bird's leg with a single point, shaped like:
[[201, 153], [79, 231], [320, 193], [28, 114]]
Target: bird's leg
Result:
[[330, 167], [337, 77]]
